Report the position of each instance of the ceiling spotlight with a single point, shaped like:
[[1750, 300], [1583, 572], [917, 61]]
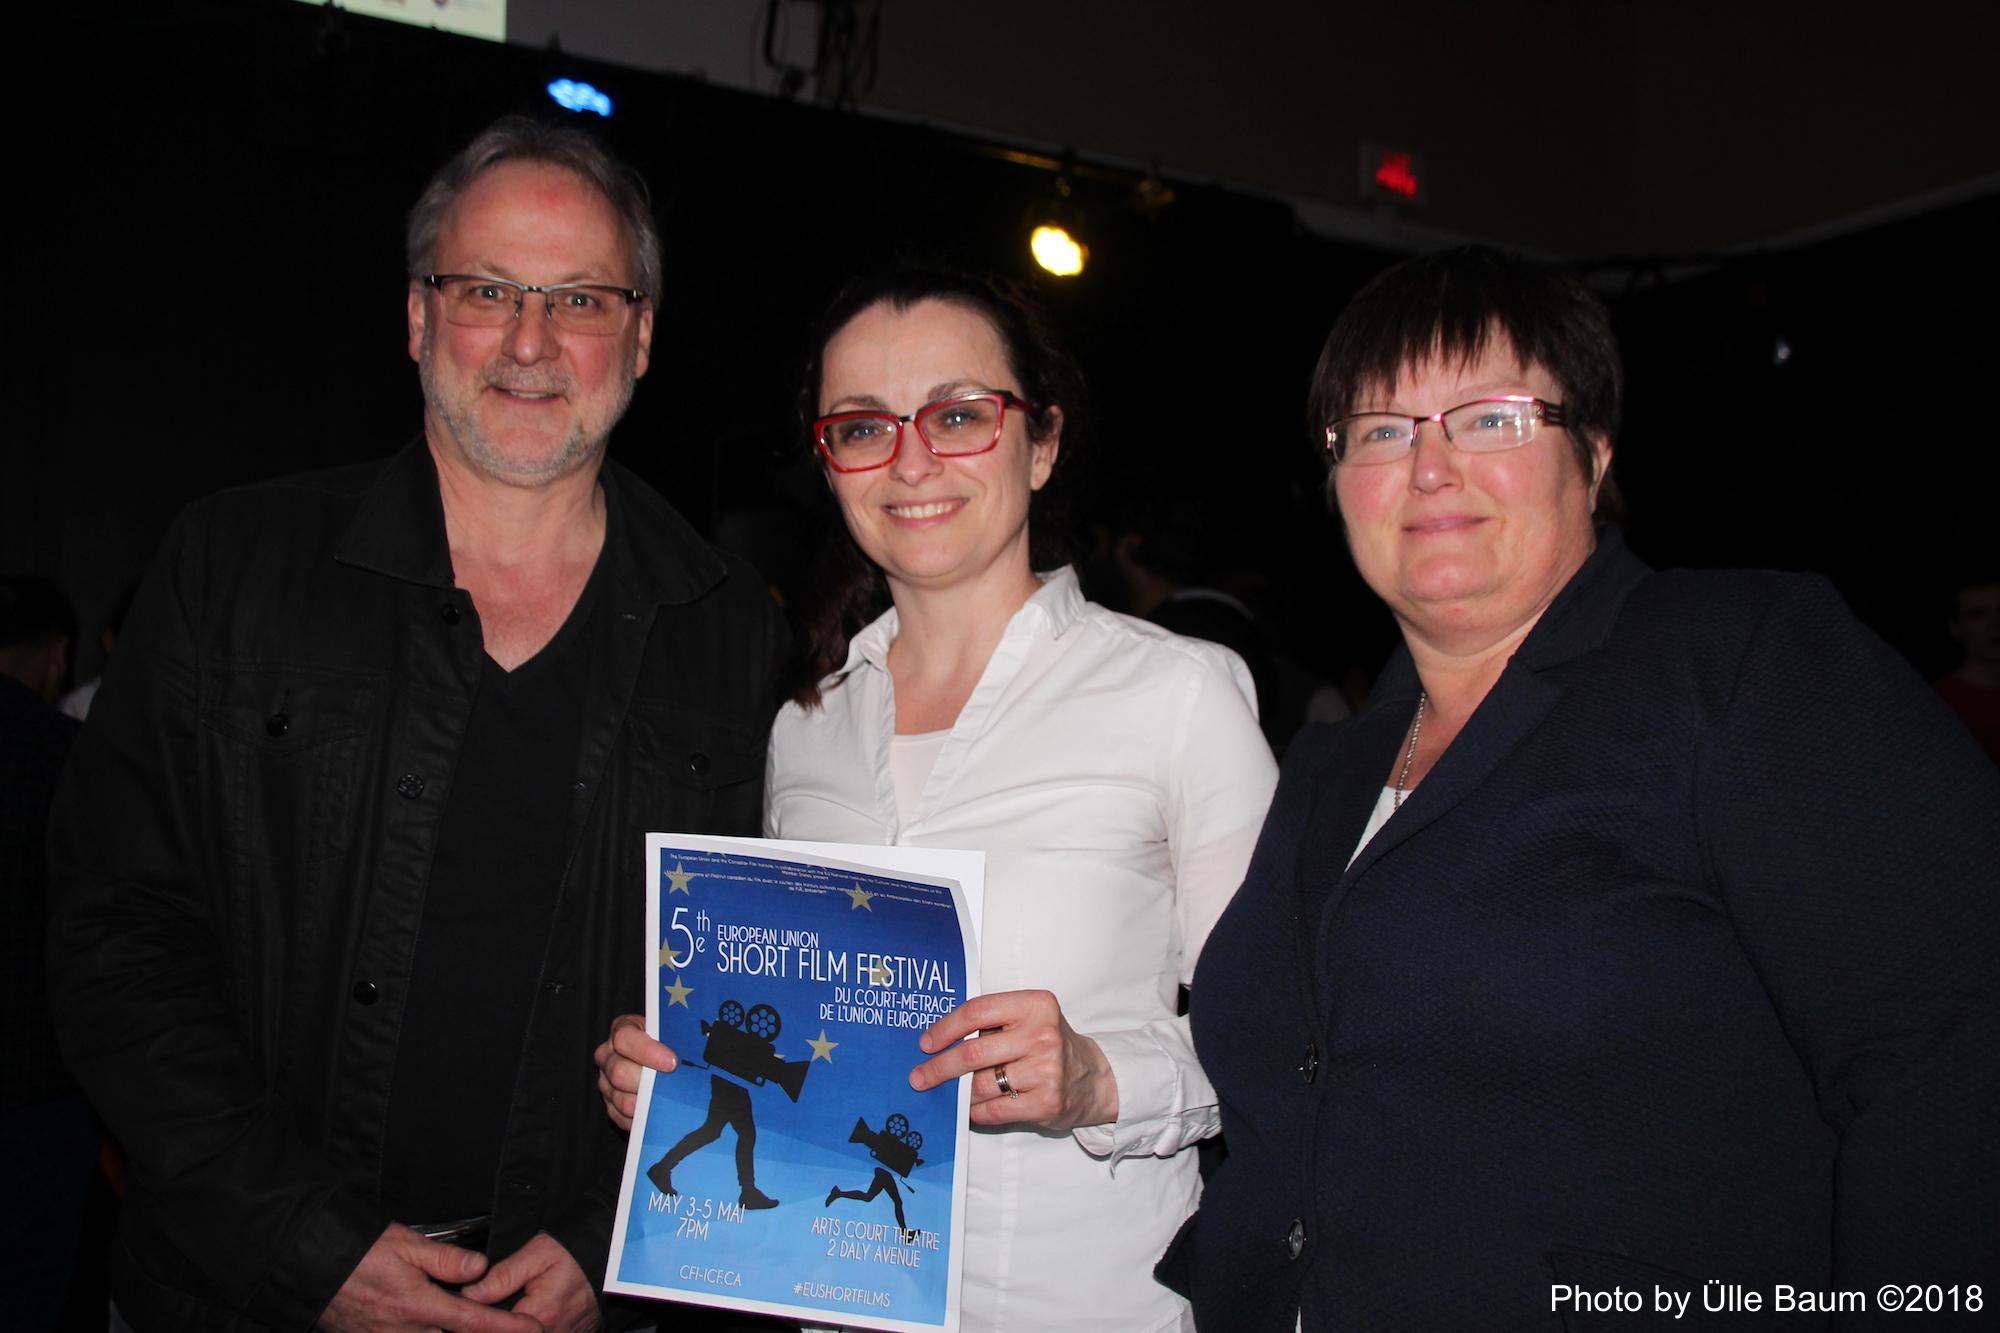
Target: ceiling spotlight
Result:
[[1058, 251]]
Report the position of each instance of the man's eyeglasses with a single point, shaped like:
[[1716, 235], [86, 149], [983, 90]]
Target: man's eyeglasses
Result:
[[575, 307], [1482, 426], [954, 427]]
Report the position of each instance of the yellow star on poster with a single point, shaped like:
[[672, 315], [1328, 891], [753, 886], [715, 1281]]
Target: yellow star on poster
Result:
[[860, 896], [678, 993], [879, 974], [822, 1049], [677, 880]]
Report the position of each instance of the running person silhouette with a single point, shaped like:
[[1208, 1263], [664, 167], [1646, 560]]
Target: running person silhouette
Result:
[[895, 1146]]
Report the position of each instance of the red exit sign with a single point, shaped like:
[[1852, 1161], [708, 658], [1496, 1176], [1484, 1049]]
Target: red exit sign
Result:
[[1395, 175]]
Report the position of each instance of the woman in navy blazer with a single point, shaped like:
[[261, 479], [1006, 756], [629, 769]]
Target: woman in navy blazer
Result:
[[1633, 953]]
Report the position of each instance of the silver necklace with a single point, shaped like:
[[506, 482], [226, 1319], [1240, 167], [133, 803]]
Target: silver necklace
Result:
[[1410, 755]]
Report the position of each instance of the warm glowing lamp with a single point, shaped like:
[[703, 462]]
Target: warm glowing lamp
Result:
[[1058, 251]]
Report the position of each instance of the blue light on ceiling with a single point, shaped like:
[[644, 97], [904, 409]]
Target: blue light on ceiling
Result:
[[574, 96]]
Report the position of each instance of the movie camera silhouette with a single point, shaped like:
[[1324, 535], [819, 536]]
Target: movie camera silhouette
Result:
[[743, 1044], [895, 1145]]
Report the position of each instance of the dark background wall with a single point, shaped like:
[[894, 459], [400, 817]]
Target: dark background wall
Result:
[[229, 296]]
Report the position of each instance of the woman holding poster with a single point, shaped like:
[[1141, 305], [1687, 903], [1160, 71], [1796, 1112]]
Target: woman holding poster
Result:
[[1113, 774]]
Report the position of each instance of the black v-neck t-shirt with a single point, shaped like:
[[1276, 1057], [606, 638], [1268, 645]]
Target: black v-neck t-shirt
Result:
[[502, 847]]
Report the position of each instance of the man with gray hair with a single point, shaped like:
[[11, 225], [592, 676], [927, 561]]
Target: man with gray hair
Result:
[[347, 867]]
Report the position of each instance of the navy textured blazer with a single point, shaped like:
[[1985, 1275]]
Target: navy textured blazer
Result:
[[1679, 967]]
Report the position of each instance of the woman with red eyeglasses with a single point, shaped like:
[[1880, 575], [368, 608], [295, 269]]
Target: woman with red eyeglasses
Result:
[[963, 693]]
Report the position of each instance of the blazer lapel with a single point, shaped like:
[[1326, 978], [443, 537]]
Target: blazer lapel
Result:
[[1350, 775], [1345, 780], [1518, 703], [1577, 622], [1349, 778]]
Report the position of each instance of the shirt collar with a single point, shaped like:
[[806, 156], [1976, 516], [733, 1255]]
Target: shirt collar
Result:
[[652, 551], [1056, 604], [1582, 616], [398, 529]]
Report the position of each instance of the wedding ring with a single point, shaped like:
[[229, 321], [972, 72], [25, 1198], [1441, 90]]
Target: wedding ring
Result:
[[1000, 1077]]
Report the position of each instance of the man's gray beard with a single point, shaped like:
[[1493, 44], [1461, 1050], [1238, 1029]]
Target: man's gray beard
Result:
[[576, 451]]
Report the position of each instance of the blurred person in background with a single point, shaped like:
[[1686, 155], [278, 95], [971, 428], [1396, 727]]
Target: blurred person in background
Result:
[[1973, 690], [48, 1138], [37, 632], [76, 703]]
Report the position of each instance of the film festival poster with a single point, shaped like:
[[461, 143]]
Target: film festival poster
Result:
[[787, 1167]]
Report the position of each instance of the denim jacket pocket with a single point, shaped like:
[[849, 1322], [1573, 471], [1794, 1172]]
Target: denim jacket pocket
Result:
[[698, 768], [287, 744]]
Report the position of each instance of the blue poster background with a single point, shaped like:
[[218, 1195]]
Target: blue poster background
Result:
[[820, 980]]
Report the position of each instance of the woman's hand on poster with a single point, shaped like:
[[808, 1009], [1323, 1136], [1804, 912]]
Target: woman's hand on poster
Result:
[[1027, 1063], [620, 1058]]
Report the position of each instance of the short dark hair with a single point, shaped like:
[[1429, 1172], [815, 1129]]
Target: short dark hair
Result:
[[1450, 306], [526, 139], [853, 591]]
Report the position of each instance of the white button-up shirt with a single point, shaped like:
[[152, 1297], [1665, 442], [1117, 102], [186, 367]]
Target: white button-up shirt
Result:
[[1114, 775]]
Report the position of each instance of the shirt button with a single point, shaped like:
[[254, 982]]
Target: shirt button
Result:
[[698, 763], [448, 613], [578, 786], [277, 725], [410, 786], [1309, 1067], [1295, 1239], [365, 992]]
